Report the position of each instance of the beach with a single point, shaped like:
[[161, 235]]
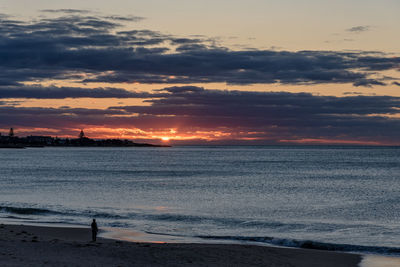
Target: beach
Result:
[[23, 245]]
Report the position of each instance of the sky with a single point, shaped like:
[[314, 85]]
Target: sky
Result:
[[202, 72]]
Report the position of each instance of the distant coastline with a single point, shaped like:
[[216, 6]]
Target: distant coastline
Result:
[[12, 141]]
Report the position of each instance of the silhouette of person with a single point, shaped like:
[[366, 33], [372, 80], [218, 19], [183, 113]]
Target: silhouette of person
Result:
[[94, 230]]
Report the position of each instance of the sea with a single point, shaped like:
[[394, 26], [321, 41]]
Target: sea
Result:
[[325, 197]]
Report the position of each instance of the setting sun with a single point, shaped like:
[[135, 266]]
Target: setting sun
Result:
[[165, 138]]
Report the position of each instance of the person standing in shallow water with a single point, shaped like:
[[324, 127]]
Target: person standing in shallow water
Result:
[[94, 230]]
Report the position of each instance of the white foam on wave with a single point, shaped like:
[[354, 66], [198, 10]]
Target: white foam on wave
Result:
[[379, 261]]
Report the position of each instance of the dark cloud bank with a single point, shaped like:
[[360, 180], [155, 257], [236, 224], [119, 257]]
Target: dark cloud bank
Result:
[[265, 117], [88, 48], [78, 43], [54, 92]]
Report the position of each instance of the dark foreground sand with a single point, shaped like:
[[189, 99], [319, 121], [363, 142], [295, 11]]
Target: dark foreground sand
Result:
[[53, 246]]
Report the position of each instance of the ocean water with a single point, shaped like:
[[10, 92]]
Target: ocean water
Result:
[[335, 198]]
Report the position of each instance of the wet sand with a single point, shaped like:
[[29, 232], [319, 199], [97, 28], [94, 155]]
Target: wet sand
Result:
[[22, 245]]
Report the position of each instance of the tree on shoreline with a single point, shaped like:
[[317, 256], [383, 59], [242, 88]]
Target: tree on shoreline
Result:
[[81, 135]]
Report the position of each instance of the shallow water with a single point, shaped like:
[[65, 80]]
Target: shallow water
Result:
[[337, 198], [377, 261]]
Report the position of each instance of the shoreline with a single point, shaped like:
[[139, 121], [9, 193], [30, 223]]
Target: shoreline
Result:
[[24, 245]]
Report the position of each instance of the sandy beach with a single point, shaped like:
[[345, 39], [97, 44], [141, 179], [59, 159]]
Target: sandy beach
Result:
[[56, 246]]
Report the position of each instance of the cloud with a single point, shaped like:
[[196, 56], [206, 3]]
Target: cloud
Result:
[[182, 89], [235, 115], [359, 29], [40, 92], [91, 48], [368, 82], [125, 18], [66, 10], [252, 67], [353, 93], [85, 11], [197, 101]]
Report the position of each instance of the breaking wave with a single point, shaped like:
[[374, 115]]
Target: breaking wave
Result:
[[25, 211], [309, 244]]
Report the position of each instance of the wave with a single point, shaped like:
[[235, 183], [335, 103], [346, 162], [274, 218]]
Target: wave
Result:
[[163, 217], [18, 218], [41, 211], [25, 211], [309, 244]]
